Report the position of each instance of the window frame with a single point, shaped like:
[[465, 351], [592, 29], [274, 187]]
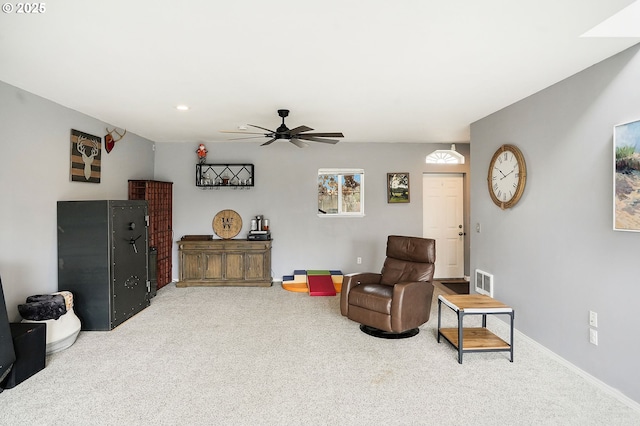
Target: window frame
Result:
[[340, 173]]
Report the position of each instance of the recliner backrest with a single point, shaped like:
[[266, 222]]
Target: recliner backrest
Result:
[[408, 259]]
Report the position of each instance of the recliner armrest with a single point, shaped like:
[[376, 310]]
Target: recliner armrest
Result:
[[349, 281], [408, 303]]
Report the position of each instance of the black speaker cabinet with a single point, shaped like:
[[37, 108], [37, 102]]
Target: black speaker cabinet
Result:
[[103, 259], [30, 345], [7, 354]]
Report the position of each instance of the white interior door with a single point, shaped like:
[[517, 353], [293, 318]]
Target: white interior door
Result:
[[442, 220]]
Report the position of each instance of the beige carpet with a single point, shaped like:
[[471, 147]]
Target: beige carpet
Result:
[[265, 356]]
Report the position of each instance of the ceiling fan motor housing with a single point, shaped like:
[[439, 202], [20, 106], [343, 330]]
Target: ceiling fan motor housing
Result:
[[282, 132]]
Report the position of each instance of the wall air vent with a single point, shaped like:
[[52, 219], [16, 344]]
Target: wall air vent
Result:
[[484, 283]]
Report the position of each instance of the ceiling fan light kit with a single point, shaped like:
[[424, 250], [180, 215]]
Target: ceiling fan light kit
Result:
[[296, 136]]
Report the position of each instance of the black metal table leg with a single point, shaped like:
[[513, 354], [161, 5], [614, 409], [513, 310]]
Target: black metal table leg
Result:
[[439, 311], [511, 314], [460, 334]]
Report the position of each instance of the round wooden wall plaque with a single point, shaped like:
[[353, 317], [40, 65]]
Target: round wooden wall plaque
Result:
[[227, 224]]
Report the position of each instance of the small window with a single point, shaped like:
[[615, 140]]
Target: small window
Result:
[[341, 192]]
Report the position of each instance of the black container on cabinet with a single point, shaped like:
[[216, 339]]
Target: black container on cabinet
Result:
[[103, 259]]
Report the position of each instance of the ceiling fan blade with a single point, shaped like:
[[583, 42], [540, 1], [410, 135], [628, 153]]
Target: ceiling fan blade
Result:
[[298, 143], [249, 137], [258, 127], [329, 135], [300, 129], [241, 132], [315, 139], [270, 141]]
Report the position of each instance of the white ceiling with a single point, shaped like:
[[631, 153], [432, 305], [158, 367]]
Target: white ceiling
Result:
[[376, 70]]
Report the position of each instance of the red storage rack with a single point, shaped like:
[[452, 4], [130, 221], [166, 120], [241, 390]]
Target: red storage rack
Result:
[[159, 196]]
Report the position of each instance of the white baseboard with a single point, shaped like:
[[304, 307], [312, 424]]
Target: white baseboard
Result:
[[595, 381]]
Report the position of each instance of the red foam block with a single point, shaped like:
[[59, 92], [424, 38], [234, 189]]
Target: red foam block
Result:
[[321, 285]]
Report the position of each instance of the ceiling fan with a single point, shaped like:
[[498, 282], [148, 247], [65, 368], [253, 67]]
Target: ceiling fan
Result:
[[295, 136]]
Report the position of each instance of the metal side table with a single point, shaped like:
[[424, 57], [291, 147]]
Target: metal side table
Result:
[[474, 339]]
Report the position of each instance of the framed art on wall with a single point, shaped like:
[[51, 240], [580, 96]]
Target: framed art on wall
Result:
[[86, 152], [626, 176], [398, 188]]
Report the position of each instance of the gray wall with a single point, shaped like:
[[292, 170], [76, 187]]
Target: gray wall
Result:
[[34, 174], [285, 192], [554, 255]]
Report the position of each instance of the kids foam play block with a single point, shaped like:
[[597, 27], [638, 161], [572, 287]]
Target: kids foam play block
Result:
[[299, 282], [321, 285]]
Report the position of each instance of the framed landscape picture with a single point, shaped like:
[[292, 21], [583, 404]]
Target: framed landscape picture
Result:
[[397, 187], [626, 176]]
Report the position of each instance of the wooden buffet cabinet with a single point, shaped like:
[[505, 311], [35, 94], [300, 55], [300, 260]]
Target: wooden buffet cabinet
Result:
[[224, 263]]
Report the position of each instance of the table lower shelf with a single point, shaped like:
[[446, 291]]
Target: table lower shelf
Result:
[[475, 339]]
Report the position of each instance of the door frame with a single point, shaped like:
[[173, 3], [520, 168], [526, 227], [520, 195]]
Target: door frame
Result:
[[465, 212]]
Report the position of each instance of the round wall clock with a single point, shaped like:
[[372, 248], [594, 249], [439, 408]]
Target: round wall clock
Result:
[[507, 176], [227, 224]]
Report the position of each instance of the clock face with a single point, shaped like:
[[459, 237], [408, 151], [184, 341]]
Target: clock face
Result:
[[507, 176]]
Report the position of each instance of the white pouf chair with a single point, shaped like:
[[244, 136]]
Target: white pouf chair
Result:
[[62, 330]]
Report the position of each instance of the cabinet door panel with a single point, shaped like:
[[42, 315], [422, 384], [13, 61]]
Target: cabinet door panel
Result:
[[255, 266], [212, 265], [234, 266], [191, 269]]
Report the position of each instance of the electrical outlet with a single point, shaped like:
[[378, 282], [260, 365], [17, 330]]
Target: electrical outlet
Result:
[[359, 260], [593, 319], [593, 336], [478, 227]]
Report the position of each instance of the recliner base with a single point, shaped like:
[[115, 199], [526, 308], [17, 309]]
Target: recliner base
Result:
[[375, 332]]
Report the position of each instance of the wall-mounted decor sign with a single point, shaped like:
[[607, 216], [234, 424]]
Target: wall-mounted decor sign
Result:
[[86, 152], [397, 187], [227, 224], [626, 177], [110, 140]]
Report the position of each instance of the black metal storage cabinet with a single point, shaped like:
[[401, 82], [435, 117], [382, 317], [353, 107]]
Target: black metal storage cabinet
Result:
[[7, 355], [103, 259]]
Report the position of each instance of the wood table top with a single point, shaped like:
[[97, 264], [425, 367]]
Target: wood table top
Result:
[[475, 302]]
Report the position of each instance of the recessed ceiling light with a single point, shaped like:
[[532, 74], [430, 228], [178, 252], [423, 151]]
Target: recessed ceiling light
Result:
[[182, 108]]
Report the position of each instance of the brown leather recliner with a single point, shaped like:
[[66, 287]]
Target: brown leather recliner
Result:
[[394, 303]]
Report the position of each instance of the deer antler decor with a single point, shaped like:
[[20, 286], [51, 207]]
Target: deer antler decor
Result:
[[87, 158], [110, 141]]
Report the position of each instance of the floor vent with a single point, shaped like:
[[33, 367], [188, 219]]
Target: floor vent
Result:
[[484, 283]]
